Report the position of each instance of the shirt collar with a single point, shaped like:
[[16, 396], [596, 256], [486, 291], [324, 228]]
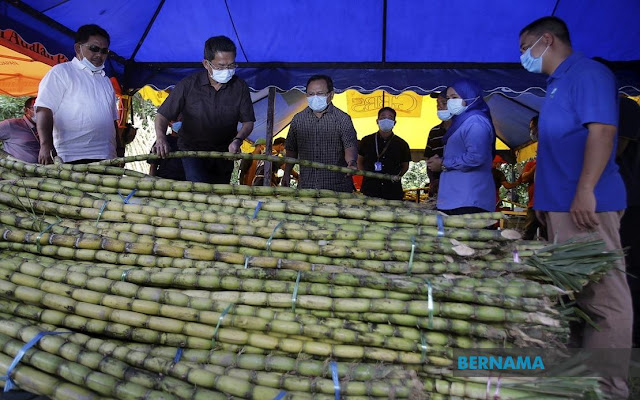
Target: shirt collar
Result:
[[565, 66], [203, 79], [78, 64]]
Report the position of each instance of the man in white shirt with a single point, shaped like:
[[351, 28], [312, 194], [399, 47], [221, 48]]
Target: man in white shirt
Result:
[[76, 105]]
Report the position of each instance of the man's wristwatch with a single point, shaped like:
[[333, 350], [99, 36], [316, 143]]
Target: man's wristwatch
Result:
[[237, 138]]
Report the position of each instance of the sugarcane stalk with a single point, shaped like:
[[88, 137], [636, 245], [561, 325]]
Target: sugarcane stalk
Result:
[[80, 375], [206, 317], [245, 156], [38, 382], [119, 355], [285, 210], [175, 298]]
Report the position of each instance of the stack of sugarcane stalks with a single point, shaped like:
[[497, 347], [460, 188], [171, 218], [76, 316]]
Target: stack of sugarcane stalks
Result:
[[166, 289]]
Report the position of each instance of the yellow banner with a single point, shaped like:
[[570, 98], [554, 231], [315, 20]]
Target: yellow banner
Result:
[[407, 104]]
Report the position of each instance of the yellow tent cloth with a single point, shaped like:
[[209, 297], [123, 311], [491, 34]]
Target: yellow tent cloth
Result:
[[157, 97]]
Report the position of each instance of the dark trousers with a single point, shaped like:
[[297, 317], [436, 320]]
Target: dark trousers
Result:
[[630, 237], [531, 226], [207, 170]]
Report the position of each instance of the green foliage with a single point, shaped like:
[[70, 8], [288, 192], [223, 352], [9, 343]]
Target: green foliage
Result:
[[144, 109], [416, 176], [521, 196], [11, 107]]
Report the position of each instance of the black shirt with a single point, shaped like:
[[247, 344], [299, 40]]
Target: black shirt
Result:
[[397, 152], [170, 168], [434, 142], [629, 160], [209, 117], [435, 146]]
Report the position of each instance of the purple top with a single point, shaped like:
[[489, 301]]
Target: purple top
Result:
[[18, 137]]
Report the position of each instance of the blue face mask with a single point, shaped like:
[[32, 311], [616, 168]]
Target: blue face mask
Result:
[[386, 125], [530, 63], [176, 126], [317, 103]]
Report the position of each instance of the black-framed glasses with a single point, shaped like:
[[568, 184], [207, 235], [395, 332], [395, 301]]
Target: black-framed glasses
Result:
[[97, 49], [220, 67]]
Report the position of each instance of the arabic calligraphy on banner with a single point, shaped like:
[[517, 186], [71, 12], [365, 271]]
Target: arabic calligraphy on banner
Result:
[[406, 104]]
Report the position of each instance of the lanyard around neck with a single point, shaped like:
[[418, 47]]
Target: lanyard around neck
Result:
[[380, 154]]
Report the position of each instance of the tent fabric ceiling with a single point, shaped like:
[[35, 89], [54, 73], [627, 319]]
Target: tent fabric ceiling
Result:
[[394, 45]]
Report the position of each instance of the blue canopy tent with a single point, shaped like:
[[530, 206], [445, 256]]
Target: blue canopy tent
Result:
[[395, 45], [367, 45]]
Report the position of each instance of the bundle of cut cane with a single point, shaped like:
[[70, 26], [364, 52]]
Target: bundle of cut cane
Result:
[[181, 290]]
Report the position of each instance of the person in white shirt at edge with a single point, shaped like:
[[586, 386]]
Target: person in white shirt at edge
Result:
[[76, 105]]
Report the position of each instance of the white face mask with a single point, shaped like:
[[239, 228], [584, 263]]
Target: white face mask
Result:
[[455, 107], [222, 75], [85, 61], [444, 115], [318, 103], [386, 125]]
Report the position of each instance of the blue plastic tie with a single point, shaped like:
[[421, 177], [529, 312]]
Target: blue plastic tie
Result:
[[440, 222], [178, 355], [215, 331], [294, 296], [101, 211], [430, 303], [246, 262], [423, 346], [124, 275], [258, 206], [45, 230], [413, 250], [272, 235], [334, 376], [125, 200], [280, 395], [10, 384], [516, 256]]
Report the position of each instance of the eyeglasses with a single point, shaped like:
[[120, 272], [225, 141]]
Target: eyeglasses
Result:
[[221, 67], [321, 94], [95, 49]]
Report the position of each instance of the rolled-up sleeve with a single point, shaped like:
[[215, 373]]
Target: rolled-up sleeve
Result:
[[478, 142]]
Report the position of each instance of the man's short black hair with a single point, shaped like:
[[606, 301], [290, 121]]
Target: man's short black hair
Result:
[[325, 78], [218, 44], [86, 31], [29, 102], [387, 109], [553, 25], [279, 141]]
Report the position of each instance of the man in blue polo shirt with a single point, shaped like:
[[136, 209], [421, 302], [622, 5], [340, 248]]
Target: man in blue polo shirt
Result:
[[578, 186]]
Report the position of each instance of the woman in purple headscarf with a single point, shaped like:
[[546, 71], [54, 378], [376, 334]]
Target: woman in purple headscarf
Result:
[[466, 183]]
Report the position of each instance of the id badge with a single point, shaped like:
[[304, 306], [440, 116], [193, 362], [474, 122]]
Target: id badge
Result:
[[377, 166]]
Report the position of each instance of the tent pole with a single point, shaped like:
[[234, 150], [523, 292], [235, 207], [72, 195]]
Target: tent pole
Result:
[[271, 107]]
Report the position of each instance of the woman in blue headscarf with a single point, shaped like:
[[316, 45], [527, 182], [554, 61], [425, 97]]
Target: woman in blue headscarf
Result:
[[466, 183]]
